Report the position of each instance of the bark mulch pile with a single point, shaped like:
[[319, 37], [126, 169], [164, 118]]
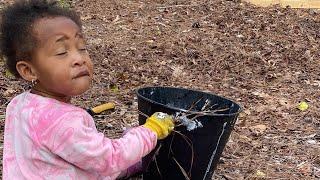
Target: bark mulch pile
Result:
[[267, 59]]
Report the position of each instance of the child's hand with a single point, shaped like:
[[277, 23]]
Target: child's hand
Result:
[[160, 123]]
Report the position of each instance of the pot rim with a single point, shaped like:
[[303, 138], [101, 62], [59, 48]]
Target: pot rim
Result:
[[183, 110]]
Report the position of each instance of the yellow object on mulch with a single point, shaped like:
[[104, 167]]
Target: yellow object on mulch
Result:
[[291, 3]]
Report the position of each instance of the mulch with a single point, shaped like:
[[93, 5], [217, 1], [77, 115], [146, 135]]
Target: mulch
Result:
[[266, 59]]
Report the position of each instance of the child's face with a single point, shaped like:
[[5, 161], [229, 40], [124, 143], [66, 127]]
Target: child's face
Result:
[[62, 63]]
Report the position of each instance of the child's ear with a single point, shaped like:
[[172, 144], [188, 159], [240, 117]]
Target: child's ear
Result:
[[26, 70]]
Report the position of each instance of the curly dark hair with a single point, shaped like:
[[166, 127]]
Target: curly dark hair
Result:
[[17, 38]]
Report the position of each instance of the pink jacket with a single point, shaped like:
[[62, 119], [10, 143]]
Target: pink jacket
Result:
[[48, 139]]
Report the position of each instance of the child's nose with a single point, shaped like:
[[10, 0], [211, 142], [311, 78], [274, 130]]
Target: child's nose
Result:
[[78, 59]]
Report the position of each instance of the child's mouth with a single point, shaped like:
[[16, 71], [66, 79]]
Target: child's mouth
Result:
[[81, 74]]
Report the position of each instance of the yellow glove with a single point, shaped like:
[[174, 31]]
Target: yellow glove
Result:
[[160, 123]]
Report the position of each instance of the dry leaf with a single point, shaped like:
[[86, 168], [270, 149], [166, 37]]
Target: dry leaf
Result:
[[114, 88], [305, 168], [9, 92], [261, 94], [116, 19], [258, 129], [9, 75], [260, 174], [245, 138], [177, 71]]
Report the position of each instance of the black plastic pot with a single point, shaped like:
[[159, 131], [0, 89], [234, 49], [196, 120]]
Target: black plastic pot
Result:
[[174, 153]]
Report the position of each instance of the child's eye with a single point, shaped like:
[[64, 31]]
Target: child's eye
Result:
[[61, 54], [83, 49]]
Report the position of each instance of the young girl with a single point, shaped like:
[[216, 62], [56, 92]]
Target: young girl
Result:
[[46, 137]]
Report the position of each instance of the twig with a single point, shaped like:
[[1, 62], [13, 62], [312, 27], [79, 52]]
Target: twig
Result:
[[179, 5], [157, 151], [219, 110], [182, 170], [102, 115], [170, 149], [195, 117], [155, 160], [207, 102], [123, 121], [194, 103], [143, 114], [189, 142], [204, 113], [212, 106]]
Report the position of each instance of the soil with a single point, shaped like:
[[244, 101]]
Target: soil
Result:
[[266, 59]]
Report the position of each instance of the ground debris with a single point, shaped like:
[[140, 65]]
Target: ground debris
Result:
[[267, 59]]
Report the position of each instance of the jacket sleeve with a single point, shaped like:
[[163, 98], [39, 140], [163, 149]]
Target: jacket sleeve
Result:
[[74, 138]]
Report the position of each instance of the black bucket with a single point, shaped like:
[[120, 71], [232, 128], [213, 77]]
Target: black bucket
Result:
[[192, 154]]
